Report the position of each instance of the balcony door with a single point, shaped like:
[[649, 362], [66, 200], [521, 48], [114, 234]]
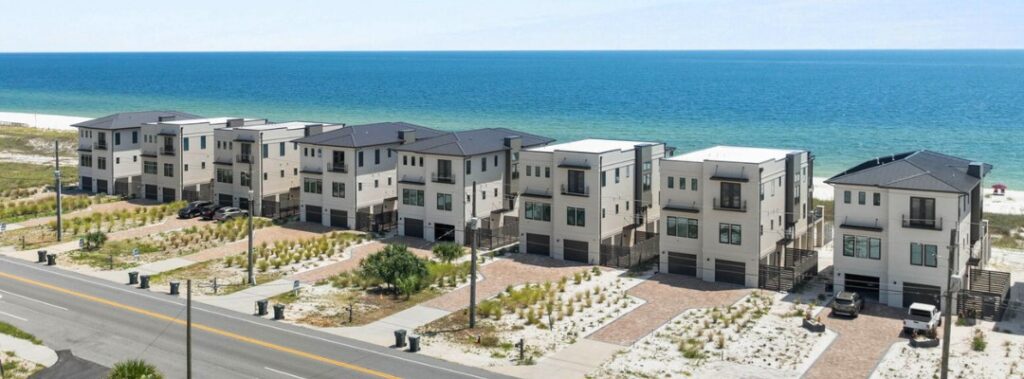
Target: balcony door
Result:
[[730, 195], [444, 169], [922, 211], [575, 182]]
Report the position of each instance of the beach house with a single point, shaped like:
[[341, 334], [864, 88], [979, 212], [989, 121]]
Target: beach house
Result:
[[903, 221], [588, 201], [738, 215], [108, 151], [445, 181], [258, 166], [348, 174], [177, 157]]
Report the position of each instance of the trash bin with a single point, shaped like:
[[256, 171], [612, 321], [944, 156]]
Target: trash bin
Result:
[[400, 338], [174, 287], [51, 259], [41, 256], [261, 307], [278, 311], [414, 344], [133, 277], [144, 281]]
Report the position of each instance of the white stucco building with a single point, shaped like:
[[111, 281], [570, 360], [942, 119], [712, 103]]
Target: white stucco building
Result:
[[579, 199], [728, 210], [900, 218]]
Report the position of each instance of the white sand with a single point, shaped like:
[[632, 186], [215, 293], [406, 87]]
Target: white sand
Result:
[[45, 121], [1001, 358]]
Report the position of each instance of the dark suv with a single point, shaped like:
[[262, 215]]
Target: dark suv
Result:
[[193, 209], [210, 211], [848, 303]]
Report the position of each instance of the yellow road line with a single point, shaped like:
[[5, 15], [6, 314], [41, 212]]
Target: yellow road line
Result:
[[202, 327]]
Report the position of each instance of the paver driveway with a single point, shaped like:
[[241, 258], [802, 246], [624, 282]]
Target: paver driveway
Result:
[[861, 343], [666, 296]]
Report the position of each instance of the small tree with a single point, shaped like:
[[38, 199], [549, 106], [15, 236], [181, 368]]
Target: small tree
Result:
[[94, 240], [134, 369], [408, 285], [448, 251], [392, 263]]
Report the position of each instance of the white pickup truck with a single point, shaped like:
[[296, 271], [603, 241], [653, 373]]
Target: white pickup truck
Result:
[[922, 318]]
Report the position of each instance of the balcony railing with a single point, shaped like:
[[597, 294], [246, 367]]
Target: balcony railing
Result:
[[243, 158], [732, 207], [341, 167], [167, 150], [84, 147], [100, 145], [918, 223], [434, 177], [576, 190]]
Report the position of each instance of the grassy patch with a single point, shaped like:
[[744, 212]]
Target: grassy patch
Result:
[[20, 210], [27, 175], [1007, 230], [37, 141], [13, 331], [120, 250], [828, 204]]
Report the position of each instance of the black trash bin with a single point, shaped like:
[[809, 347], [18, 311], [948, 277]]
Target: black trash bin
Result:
[[261, 307], [133, 277], [278, 311], [51, 259], [174, 287], [400, 338], [414, 344], [41, 256], [144, 281]]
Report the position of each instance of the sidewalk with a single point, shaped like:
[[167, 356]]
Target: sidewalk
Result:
[[575, 361], [382, 332], [244, 301], [28, 351]]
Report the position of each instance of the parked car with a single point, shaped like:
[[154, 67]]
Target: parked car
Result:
[[193, 209], [228, 213], [210, 211], [848, 303], [922, 318]]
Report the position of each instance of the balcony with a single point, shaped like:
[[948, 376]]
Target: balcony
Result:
[[859, 225], [444, 178], [100, 145], [167, 150], [576, 191], [730, 207], [243, 158], [341, 167], [85, 148], [574, 164], [926, 224]]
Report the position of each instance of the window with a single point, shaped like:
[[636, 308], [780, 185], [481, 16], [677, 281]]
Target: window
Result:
[[376, 183], [575, 182], [85, 160], [682, 227], [202, 165], [444, 202], [469, 167], [101, 163], [862, 198], [730, 193], [117, 160], [922, 211], [877, 199], [265, 150], [184, 144], [444, 170], [338, 189], [135, 137], [310, 185], [421, 161], [359, 186], [389, 181], [730, 234], [495, 192], [184, 167], [360, 159], [282, 173], [264, 176], [202, 142], [924, 255], [670, 180], [846, 197], [576, 216], [538, 211], [168, 170], [376, 156], [862, 247], [616, 175], [483, 195], [245, 180], [604, 179], [528, 170], [149, 167], [693, 184], [135, 158], [646, 182], [280, 149], [495, 160], [117, 138], [405, 160], [682, 183], [483, 164], [547, 172], [412, 197]]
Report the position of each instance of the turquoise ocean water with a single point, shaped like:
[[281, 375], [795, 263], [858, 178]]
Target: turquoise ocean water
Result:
[[845, 106]]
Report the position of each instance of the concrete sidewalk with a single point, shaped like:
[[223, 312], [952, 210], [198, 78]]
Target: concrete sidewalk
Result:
[[381, 332], [28, 351], [244, 301], [152, 268], [575, 361]]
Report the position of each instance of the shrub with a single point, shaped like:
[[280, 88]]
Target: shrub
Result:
[[134, 369], [263, 265], [391, 264], [94, 240], [978, 342], [448, 251]]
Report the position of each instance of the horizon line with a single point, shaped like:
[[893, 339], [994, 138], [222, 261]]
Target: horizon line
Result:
[[994, 49]]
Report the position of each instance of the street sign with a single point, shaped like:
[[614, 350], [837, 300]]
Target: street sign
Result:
[[135, 252]]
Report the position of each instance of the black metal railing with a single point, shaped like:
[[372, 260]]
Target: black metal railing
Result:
[[100, 145], [243, 158], [922, 223], [167, 150], [341, 167], [740, 206], [576, 190], [443, 178]]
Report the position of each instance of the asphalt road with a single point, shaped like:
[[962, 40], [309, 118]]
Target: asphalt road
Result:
[[106, 323]]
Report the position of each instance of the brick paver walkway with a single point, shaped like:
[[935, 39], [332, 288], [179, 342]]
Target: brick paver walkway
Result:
[[666, 297], [516, 270], [861, 343], [352, 262], [291, 231]]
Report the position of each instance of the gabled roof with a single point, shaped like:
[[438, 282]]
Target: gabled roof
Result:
[[916, 170], [368, 135], [472, 142], [132, 119]]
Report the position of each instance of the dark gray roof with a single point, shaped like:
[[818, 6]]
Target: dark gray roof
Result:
[[473, 142], [69, 366], [916, 170], [368, 135], [132, 119]]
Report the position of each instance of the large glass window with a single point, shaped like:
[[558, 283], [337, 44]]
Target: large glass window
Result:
[[85, 160], [862, 247], [412, 197], [575, 182], [682, 227], [168, 170], [538, 211], [149, 167], [246, 180], [731, 234], [224, 175], [730, 196], [576, 216], [444, 202], [338, 189], [310, 185], [924, 255], [922, 211]]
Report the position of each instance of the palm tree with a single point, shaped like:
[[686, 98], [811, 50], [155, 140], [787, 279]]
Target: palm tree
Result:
[[134, 369]]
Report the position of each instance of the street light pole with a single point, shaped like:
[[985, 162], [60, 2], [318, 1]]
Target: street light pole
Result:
[[56, 178], [188, 329], [474, 223], [249, 273], [947, 310]]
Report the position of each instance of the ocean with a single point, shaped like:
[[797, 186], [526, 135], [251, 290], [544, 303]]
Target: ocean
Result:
[[844, 106]]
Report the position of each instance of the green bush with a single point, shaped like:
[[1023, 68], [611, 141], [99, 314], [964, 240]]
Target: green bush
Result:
[[448, 251], [392, 263], [134, 369]]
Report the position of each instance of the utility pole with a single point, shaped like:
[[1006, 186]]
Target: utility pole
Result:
[[249, 273], [948, 309], [188, 330], [56, 178], [474, 223]]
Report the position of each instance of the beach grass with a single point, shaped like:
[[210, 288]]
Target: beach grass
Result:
[[15, 175], [1007, 230], [21, 139]]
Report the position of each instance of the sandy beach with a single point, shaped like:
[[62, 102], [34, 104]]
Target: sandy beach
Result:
[[45, 121]]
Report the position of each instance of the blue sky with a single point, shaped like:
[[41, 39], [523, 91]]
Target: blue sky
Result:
[[216, 25]]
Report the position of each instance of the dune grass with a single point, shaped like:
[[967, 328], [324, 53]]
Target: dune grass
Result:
[[13, 331]]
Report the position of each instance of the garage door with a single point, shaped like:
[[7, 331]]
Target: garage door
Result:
[[87, 184], [314, 214], [151, 192], [539, 244], [101, 186], [225, 200], [444, 232], [866, 286], [168, 195], [339, 219], [730, 272], [683, 264], [920, 293], [576, 251], [414, 227]]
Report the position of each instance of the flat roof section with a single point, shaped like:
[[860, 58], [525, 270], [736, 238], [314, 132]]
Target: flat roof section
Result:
[[290, 125], [735, 154], [593, 145], [214, 120]]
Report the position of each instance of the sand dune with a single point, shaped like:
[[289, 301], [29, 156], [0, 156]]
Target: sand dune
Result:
[[46, 121]]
